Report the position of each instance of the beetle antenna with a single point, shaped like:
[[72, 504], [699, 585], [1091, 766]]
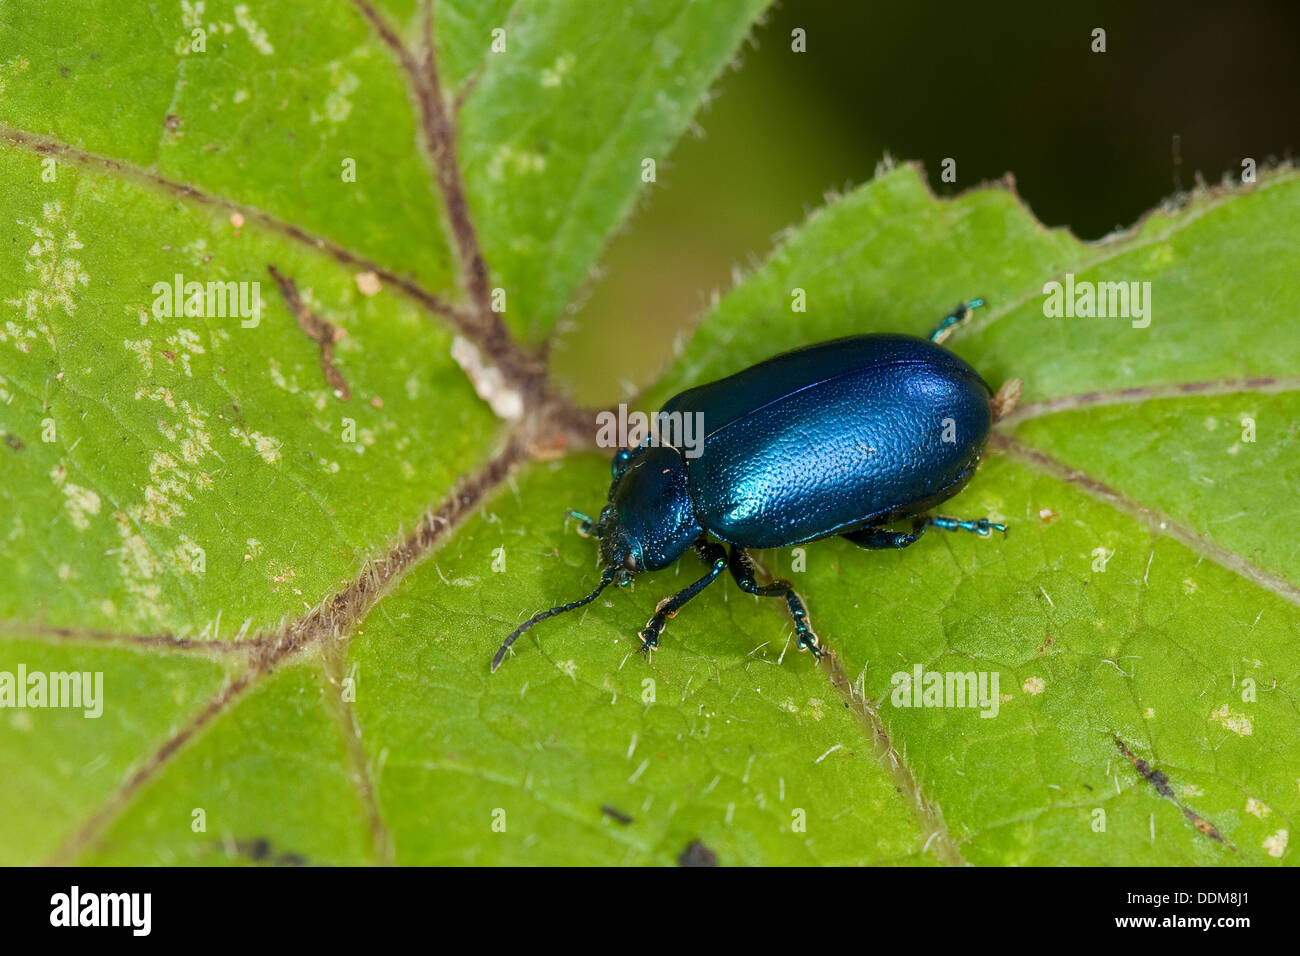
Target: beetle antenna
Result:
[[606, 577]]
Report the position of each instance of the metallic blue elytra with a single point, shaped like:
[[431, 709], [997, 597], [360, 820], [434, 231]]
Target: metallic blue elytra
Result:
[[841, 438], [834, 437]]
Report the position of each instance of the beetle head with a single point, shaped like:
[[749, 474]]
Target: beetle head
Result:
[[648, 524], [620, 550]]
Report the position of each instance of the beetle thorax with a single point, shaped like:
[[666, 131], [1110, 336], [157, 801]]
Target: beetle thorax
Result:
[[649, 522]]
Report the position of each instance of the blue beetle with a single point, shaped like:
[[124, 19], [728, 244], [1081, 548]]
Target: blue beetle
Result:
[[841, 438]]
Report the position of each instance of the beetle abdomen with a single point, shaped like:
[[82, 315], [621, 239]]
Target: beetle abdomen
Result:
[[841, 435]]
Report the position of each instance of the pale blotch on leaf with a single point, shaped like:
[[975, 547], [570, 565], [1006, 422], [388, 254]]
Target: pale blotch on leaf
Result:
[[338, 104], [1239, 724], [58, 274], [1275, 845], [554, 74], [82, 503], [267, 448], [256, 35], [368, 283]]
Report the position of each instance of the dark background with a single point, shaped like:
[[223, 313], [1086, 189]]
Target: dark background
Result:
[[1012, 88]]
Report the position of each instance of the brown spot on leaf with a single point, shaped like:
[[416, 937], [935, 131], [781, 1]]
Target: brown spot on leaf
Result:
[[323, 333], [616, 815], [1160, 781], [261, 850], [697, 854]]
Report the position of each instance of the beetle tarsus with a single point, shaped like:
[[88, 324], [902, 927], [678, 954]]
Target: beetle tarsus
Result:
[[584, 523], [953, 319], [712, 555], [980, 526]]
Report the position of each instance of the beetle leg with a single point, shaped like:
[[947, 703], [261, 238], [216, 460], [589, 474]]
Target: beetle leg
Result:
[[584, 523], [954, 318], [980, 526], [712, 555], [742, 569], [877, 539]]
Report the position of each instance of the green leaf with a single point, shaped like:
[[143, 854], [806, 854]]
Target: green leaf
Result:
[[291, 545], [1132, 601], [550, 191]]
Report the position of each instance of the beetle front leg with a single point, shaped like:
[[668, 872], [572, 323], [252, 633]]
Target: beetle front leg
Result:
[[742, 569], [584, 523], [712, 555]]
